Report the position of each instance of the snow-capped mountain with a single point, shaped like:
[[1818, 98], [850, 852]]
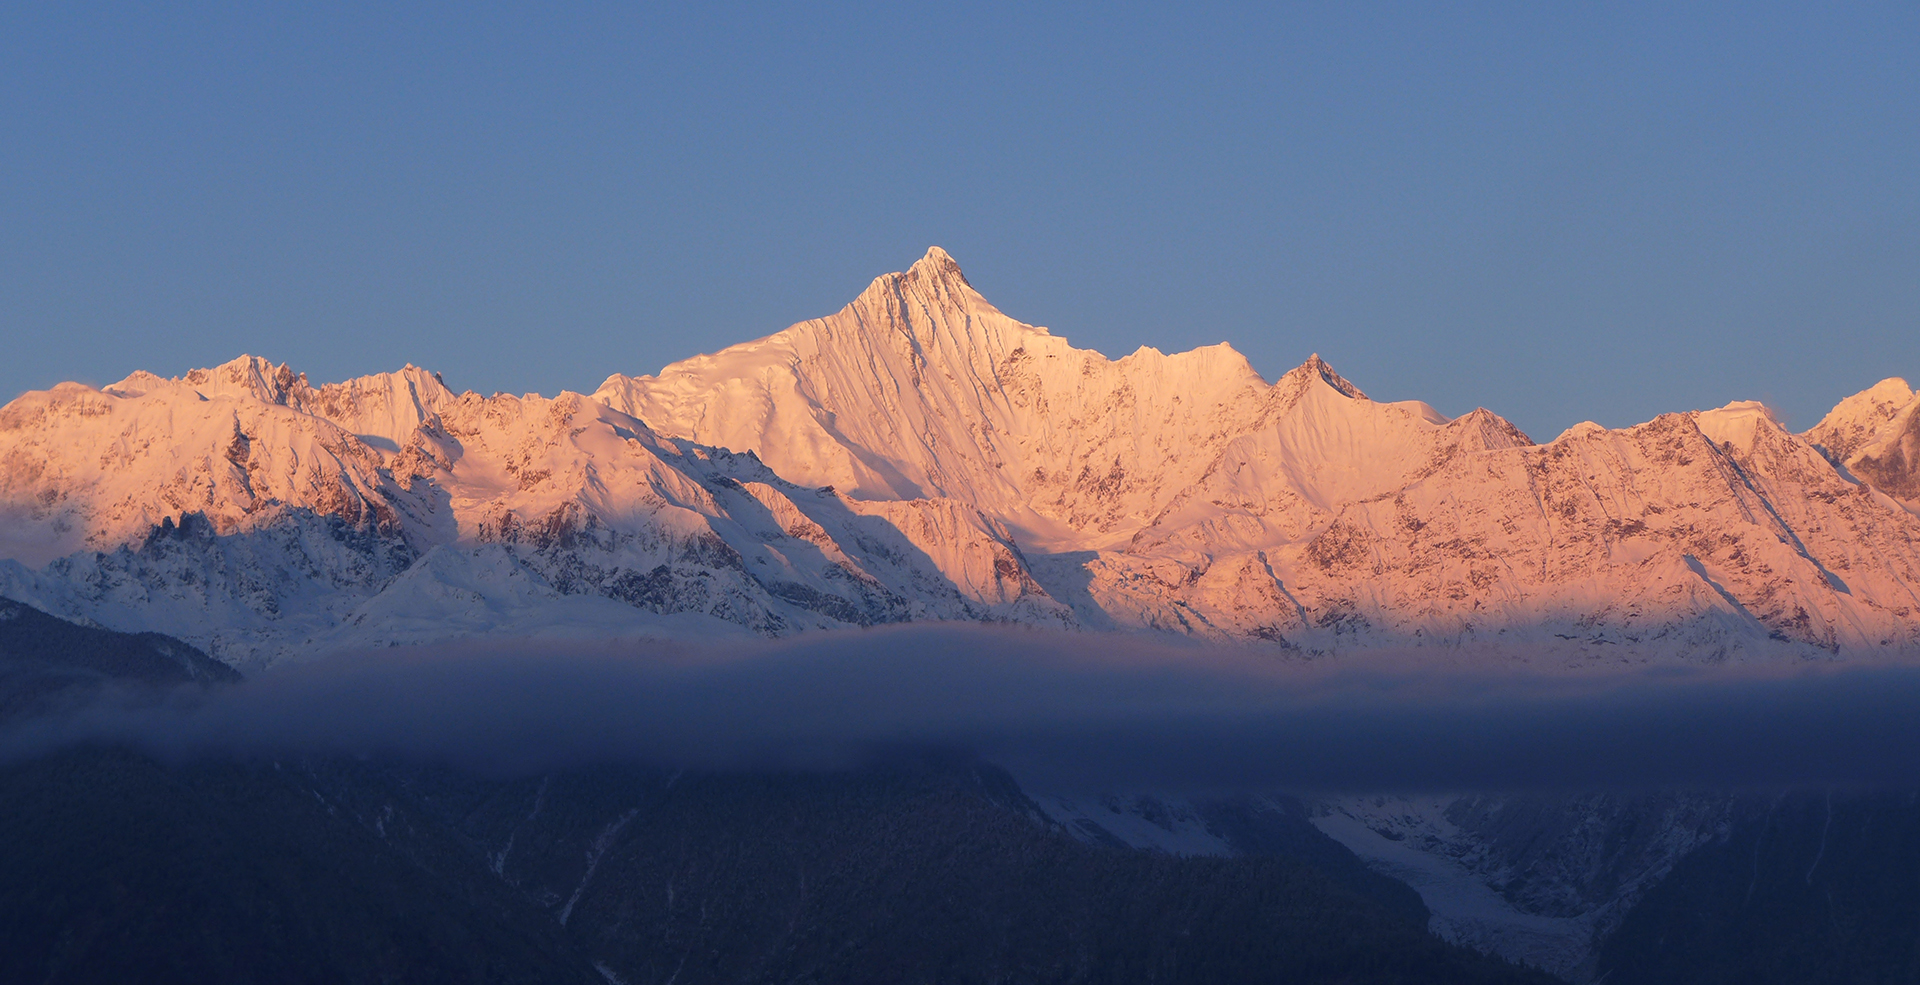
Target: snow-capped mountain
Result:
[[1185, 493], [1876, 435], [234, 507], [920, 388], [920, 455]]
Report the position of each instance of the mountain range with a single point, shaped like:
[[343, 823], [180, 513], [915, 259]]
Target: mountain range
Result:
[[918, 455]]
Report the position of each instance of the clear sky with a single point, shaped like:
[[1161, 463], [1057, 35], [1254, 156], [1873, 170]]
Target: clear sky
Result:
[[1558, 211]]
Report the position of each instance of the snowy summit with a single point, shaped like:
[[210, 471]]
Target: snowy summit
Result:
[[921, 455]]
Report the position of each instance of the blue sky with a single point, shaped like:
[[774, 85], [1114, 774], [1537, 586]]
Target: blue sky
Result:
[[1560, 212]]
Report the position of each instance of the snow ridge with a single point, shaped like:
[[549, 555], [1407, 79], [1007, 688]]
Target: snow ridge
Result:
[[921, 455]]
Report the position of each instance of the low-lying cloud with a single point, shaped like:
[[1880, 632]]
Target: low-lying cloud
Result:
[[1060, 710]]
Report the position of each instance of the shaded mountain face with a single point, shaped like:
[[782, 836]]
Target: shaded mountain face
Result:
[[48, 663], [1807, 887], [29, 637], [921, 455], [353, 872], [230, 873], [325, 869], [318, 869]]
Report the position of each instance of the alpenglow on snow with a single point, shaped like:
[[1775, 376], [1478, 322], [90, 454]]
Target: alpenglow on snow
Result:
[[920, 455]]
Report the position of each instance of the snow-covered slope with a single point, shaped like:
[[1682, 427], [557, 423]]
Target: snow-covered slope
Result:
[[1876, 435], [920, 388], [245, 518], [1853, 422], [93, 469], [1657, 537], [918, 455], [1540, 879], [1184, 493], [382, 409]]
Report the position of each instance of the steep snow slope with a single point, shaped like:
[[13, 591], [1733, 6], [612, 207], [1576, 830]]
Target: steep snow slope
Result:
[[1892, 460], [599, 503], [382, 409], [1653, 539], [1852, 422], [1876, 435], [90, 469], [1183, 493], [918, 455], [239, 517], [920, 388]]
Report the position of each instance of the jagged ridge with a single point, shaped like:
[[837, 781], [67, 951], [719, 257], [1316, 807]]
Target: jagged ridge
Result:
[[919, 454]]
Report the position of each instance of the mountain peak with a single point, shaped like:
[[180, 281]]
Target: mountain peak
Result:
[[1317, 367], [933, 284], [937, 265], [1852, 423], [246, 376], [1738, 423]]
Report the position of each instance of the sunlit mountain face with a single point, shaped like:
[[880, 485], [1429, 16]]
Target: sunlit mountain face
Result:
[[920, 455], [912, 643]]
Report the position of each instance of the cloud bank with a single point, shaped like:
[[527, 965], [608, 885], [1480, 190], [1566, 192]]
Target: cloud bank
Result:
[[1061, 710]]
